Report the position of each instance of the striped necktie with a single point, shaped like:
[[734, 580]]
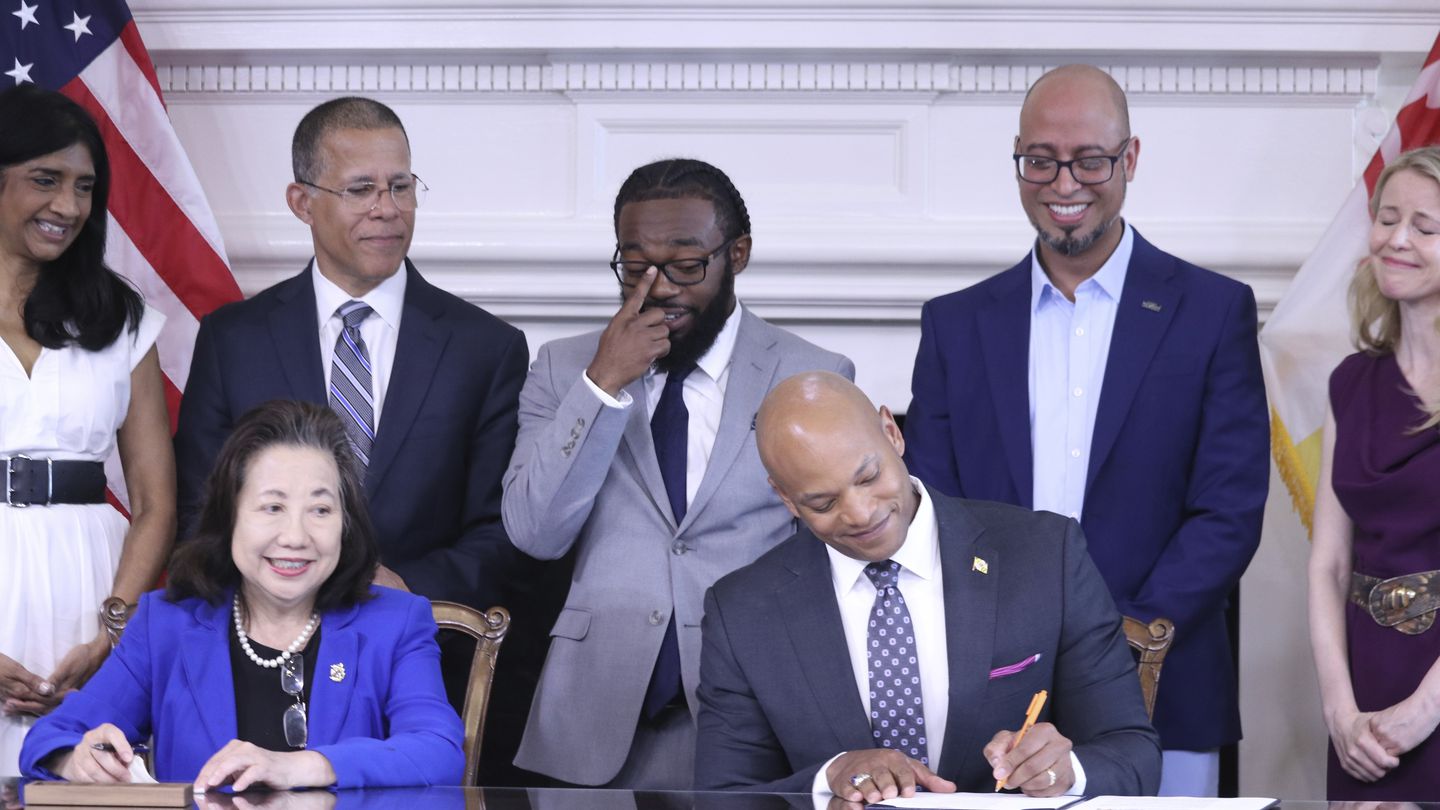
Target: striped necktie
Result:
[[351, 395]]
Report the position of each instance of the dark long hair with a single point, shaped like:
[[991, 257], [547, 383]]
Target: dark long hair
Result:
[[203, 566], [76, 299]]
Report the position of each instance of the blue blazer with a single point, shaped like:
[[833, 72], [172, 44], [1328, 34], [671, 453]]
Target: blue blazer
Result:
[[447, 426], [1179, 465], [778, 697], [385, 723]]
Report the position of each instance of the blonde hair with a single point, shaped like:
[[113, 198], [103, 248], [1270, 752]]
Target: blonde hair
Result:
[[1377, 318]]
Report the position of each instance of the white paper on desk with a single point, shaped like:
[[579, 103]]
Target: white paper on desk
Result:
[[1172, 803], [977, 801], [138, 774]]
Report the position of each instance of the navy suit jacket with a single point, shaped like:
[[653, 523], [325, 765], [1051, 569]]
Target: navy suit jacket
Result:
[[385, 722], [1179, 465], [447, 426], [778, 697]]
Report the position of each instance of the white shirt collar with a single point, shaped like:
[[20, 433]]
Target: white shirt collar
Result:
[[919, 554], [387, 299], [1110, 278]]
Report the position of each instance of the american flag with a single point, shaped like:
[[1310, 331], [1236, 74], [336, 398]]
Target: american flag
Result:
[[1309, 332], [162, 235]]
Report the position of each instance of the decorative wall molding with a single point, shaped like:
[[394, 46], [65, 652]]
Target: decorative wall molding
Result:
[[1345, 80], [1096, 26]]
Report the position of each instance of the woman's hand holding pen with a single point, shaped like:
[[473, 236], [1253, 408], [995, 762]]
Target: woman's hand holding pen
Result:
[[103, 755]]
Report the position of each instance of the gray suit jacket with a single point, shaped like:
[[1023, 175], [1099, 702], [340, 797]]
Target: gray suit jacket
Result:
[[778, 697], [585, 476]]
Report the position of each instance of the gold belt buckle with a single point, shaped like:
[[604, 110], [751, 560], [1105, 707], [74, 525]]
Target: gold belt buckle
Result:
[[1390, 599]]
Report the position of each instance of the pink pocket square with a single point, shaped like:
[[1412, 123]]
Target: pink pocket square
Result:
[[1018, 666]]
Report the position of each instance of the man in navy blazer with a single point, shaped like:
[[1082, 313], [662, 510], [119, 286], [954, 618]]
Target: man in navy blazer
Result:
[[1109, 381], [1004, 602], [446, 379]]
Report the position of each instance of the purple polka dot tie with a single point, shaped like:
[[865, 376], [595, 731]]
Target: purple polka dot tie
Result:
[[897, 712]]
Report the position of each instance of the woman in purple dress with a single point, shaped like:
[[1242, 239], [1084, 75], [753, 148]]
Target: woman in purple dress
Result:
[[1377, 508]]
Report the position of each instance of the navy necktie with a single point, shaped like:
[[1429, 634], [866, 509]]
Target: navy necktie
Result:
[[351, 395], [670, 430], [897, 713]]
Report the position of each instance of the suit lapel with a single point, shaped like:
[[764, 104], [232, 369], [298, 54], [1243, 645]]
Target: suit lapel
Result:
[[641, 446], [1005, 343], [1147, 305], [969, 629], [812, 621], [296, 332], [330, 698], [421, 343], [206, 664], [752, 367]]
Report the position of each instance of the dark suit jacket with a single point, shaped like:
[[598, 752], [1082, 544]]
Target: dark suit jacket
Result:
[[1179, 466], [447, 426], [778, 697], [386, 722]]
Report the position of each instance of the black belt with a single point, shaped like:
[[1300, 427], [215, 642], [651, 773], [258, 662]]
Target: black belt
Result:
[[43, 481]]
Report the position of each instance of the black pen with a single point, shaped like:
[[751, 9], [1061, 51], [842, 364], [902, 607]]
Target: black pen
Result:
[[138, 748]]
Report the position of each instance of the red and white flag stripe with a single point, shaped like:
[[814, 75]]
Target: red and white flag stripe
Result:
[[162, 236]]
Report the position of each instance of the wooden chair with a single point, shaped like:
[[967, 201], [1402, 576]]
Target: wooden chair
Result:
[[488, 629], [1151, 641]]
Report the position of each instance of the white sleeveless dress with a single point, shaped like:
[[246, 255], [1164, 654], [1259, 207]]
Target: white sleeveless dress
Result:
[[57, 563]]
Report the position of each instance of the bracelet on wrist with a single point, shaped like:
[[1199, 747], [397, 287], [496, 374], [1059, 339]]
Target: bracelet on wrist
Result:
[[114, 614]]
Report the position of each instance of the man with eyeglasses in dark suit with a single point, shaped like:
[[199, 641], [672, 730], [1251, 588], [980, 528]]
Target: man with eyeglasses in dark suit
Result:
[[426, 383], [1115, 384]]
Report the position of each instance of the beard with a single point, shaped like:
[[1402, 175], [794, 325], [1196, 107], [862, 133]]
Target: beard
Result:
[[1068, 243], [689, 348]]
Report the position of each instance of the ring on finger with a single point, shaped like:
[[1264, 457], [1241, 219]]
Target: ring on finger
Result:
[[1051, 773], [859, 779]]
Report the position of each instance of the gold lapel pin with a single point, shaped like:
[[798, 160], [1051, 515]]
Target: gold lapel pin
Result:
[[980, 565], [337, 672], [1153, 306]]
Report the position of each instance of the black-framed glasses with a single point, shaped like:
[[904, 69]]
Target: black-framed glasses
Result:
[[681, 272], [361, 198], [292, 680], [1090, 170]]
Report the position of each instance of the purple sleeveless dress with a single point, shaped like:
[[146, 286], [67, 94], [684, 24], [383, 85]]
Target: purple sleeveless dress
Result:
[[1388, 481]]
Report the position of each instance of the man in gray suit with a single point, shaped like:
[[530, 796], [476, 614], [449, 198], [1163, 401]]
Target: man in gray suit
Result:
[[954, 613], [637, 451]]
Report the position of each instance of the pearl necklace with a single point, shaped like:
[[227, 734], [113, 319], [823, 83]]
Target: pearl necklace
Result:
[[271, 663]]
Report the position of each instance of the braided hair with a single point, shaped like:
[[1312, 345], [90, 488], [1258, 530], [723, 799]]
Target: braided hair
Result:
[[684, 178]]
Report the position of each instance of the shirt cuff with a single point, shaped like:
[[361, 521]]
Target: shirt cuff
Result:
[[1077, 789], [820, 788], [623, 401]]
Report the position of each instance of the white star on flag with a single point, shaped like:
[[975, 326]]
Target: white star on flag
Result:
[[80, 26], [26, 14], [21, 73]]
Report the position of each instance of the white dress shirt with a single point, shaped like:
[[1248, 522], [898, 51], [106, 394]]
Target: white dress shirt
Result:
[[704, 395], [1069, 348], [381, 330], [922, 584]]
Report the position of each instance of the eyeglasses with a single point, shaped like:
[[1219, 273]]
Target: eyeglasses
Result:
[[361, 198], [292, 680], [681, 272], [1091, 170]]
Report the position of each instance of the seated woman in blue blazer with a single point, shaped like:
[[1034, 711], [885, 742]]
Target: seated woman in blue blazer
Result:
[[270, 659]]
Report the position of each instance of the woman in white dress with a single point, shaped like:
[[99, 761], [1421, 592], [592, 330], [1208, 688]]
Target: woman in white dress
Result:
[[78, 377]]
